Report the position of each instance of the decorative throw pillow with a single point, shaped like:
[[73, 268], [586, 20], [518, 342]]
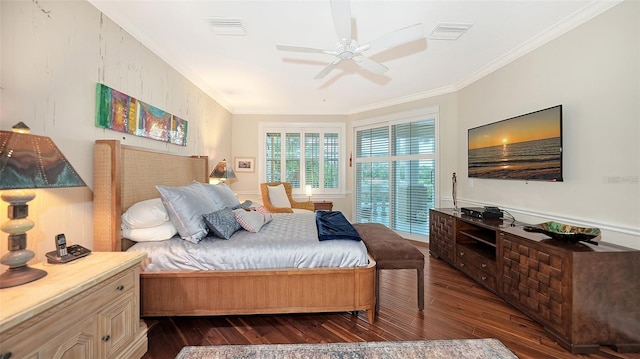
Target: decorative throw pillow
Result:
[[263, 211], [222, 194], [278, 196], [268, 217], [251, 221], [244, 205], [145, 214], [185, 206], [222, 223], [151, 234]]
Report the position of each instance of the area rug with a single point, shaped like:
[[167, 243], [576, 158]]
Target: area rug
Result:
[[423, 349]]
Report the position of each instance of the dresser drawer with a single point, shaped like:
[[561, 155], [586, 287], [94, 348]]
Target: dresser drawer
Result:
[[484, 264], [480, 268], [115, 287], [486, 279]]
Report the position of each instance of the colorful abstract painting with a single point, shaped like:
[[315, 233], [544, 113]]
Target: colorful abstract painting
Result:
[[123, 113], [178, 131], [155, 122]]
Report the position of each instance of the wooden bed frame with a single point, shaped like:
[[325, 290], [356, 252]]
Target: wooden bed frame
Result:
[[124, 175]]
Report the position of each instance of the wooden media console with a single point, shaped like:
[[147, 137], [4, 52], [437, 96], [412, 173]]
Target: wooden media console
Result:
[[584, 295]]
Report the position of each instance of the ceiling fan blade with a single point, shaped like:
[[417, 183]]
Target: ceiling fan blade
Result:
[[341, 12], [370, 65], [396, 38], [327, 69], [299, 49]]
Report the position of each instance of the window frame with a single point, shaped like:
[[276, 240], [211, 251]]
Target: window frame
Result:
[[302, 128]]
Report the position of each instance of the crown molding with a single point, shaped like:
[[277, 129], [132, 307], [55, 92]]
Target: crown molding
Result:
[[563, 26]]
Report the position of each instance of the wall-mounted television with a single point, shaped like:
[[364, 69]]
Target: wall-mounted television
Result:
[[526, 147]]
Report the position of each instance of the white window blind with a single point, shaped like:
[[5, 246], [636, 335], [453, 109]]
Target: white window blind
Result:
[[395, 175]]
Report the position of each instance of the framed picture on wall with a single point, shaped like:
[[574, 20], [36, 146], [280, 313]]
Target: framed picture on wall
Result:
[[245, 164]]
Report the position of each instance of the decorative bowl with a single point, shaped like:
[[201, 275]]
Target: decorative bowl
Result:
[[566, 232]]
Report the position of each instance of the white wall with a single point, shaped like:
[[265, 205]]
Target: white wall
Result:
[[594, 72], [53, 54]]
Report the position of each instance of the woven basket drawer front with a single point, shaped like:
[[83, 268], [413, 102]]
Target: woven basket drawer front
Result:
[[533, 281], [441, 236]]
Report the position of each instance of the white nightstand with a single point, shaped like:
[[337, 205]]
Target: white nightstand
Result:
[[88, 308]]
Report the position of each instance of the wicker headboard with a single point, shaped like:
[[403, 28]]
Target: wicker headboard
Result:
[[124, 175]]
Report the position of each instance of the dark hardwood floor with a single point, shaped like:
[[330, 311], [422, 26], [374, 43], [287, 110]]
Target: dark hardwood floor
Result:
[[455, 307]]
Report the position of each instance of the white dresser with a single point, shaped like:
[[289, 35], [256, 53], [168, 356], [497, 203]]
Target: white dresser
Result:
[[88, 308]]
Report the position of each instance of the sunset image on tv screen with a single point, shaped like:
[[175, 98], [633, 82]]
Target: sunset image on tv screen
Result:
[[526, 147]]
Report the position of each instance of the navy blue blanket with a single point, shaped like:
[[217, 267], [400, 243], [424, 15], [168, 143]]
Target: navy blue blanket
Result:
[[333, 225]]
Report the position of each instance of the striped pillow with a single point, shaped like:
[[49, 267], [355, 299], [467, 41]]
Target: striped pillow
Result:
[[251, 221]]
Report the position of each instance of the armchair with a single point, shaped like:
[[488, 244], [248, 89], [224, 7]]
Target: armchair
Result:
[[264, 188]]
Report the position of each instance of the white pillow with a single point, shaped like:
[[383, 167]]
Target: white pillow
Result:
[[152, 234], [145, 214], [278, 196], [251, 220]]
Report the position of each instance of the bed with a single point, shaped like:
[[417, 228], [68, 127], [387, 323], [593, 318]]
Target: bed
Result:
[[125, 175]]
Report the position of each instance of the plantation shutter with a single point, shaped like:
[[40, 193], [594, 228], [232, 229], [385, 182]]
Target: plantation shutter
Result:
[[305, 154], [312, 159], [331, 161], [273, 156], [292, 149]]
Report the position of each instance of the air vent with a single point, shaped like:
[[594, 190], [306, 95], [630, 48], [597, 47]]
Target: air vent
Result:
[[226, 26], [448, 31]]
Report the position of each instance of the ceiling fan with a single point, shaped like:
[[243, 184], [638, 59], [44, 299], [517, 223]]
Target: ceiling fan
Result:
[[348, 48]]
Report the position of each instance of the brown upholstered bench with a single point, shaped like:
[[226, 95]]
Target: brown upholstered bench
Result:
[[391, 251]]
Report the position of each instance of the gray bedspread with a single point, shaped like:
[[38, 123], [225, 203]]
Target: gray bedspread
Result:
[[290, 240]]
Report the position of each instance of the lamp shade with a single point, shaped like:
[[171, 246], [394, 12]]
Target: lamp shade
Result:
[[26, 162], [30, 161], [222, 171]]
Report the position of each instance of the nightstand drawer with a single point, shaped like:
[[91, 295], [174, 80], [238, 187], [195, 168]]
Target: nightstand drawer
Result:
[[323, 206], [116, 287]]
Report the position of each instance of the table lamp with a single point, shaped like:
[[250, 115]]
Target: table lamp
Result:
[[308, 191], [222, 172], [27, 162]]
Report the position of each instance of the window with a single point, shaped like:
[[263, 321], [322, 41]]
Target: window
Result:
[[395, 173], [304, 154]]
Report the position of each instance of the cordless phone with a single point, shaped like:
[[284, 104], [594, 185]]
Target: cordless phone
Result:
[[64, 254], [61, 245]]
